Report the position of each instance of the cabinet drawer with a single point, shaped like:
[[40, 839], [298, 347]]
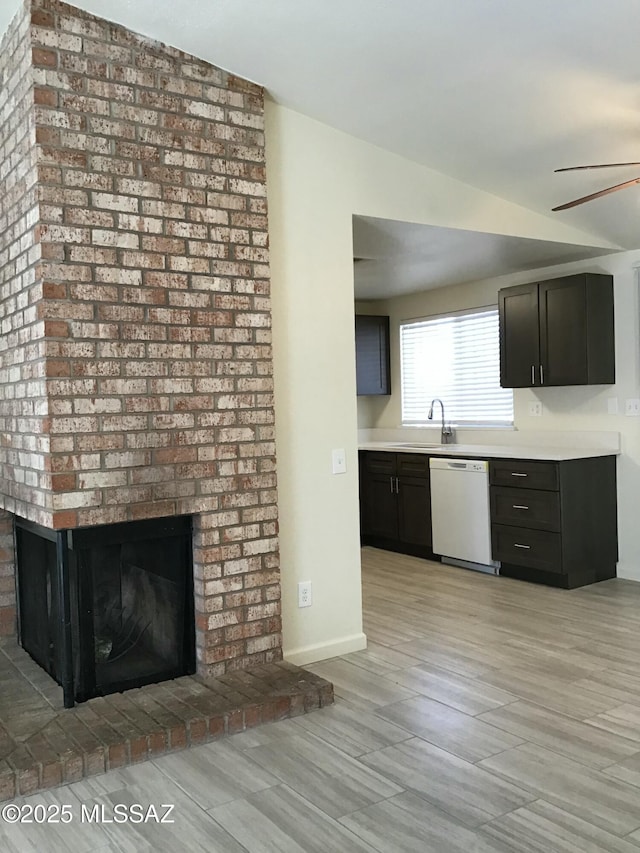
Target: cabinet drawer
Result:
[[535, 549], [524, 475], [379, 462], [412, 464], [525, 508]]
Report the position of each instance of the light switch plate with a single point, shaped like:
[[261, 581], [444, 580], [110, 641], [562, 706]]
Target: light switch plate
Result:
[[339, 461], [612, 406]]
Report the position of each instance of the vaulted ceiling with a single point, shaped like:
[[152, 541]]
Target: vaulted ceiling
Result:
[[496, 93]]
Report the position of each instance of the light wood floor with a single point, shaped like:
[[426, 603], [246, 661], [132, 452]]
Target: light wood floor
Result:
[[486, 715]]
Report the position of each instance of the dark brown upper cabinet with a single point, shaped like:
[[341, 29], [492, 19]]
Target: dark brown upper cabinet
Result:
[[373, 369], [557, 332]]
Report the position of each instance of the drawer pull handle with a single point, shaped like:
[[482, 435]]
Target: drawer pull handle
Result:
[[516, 474], [527, 547], [520, 506]]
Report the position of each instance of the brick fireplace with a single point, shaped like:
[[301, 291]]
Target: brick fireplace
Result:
[[135, 354]]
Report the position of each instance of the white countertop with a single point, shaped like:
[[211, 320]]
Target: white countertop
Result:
[[490, 451]]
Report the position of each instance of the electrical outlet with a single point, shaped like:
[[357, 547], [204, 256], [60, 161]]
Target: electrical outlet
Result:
[[304, 594], [535, 409], [632, 407], [339, 461]]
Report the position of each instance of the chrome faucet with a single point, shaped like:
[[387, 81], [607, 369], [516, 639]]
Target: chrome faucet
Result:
[[447, 430]]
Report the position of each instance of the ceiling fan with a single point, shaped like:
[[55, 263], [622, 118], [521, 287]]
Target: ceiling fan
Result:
[[600, 193]]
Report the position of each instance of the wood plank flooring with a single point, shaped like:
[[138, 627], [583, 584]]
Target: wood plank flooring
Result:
[[486, 715]]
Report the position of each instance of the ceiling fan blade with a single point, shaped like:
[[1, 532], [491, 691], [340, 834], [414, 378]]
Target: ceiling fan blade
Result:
[[597, 166], [592, 196]]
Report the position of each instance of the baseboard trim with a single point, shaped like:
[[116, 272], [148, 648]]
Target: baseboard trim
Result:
[[628, 572], [324, 651]]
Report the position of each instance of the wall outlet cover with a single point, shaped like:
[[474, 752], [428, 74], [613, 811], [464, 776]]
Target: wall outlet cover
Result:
[[535, 409], [304, 594], [632, 407]]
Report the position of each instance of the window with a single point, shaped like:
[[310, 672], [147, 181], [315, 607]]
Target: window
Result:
[[455, 358]]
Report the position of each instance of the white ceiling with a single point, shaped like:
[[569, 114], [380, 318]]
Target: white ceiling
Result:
[[495, 93], [395, 258]]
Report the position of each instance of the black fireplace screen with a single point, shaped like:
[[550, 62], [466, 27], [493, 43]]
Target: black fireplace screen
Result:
[[103, 609]]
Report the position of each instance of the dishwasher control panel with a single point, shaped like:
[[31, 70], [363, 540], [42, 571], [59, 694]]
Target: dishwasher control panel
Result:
[[475, 465]]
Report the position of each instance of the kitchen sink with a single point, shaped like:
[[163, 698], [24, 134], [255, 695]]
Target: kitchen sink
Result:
[[412, 444]]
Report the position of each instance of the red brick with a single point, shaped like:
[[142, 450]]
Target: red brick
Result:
[[63, 482], [42, 18], [138, 749], [7, 786], [157, 743], [234, 722], [27, 781], [45, 97], [72, 769], [94, 761], [51, 775], [178, 737], [64, 519], [216, 728], [253, 716], [44, 58], [7, 621], [117, 756], [198, 730]]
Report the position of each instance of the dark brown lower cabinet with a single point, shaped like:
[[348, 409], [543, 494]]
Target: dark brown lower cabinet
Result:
[[555, 522], [395, 504], [551, 522]]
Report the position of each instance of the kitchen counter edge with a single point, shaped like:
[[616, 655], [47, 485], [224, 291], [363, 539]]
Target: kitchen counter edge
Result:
[[486, 451]]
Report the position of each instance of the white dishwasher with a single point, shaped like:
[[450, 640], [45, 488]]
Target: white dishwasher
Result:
[[460, 522]]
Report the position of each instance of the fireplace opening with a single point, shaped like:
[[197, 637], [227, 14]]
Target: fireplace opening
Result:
[[104, 609]]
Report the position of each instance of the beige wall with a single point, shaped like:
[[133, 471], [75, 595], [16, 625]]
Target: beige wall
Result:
[[317, 178]]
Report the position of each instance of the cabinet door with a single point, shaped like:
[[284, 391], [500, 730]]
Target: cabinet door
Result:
[[519, 336], [414, 510], [563, 331], [373, 375], [380, 506]]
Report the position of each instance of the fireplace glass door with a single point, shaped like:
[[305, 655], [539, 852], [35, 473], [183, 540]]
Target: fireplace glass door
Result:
[[130, 602]]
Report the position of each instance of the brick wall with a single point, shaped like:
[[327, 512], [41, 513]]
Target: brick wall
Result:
[[154, 315], [7, 576], [23, 442]]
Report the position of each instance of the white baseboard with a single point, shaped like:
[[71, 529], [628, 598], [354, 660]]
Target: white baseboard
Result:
[[323, 651], [630, 572]]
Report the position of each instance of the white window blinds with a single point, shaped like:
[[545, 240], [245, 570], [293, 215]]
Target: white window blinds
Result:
[[455, 358]]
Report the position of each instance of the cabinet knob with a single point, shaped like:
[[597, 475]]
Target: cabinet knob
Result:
[[527, 547], [517, 474], [520, 506], [533, 374]]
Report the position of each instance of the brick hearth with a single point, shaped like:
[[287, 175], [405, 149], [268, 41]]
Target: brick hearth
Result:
[[43, 745]]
